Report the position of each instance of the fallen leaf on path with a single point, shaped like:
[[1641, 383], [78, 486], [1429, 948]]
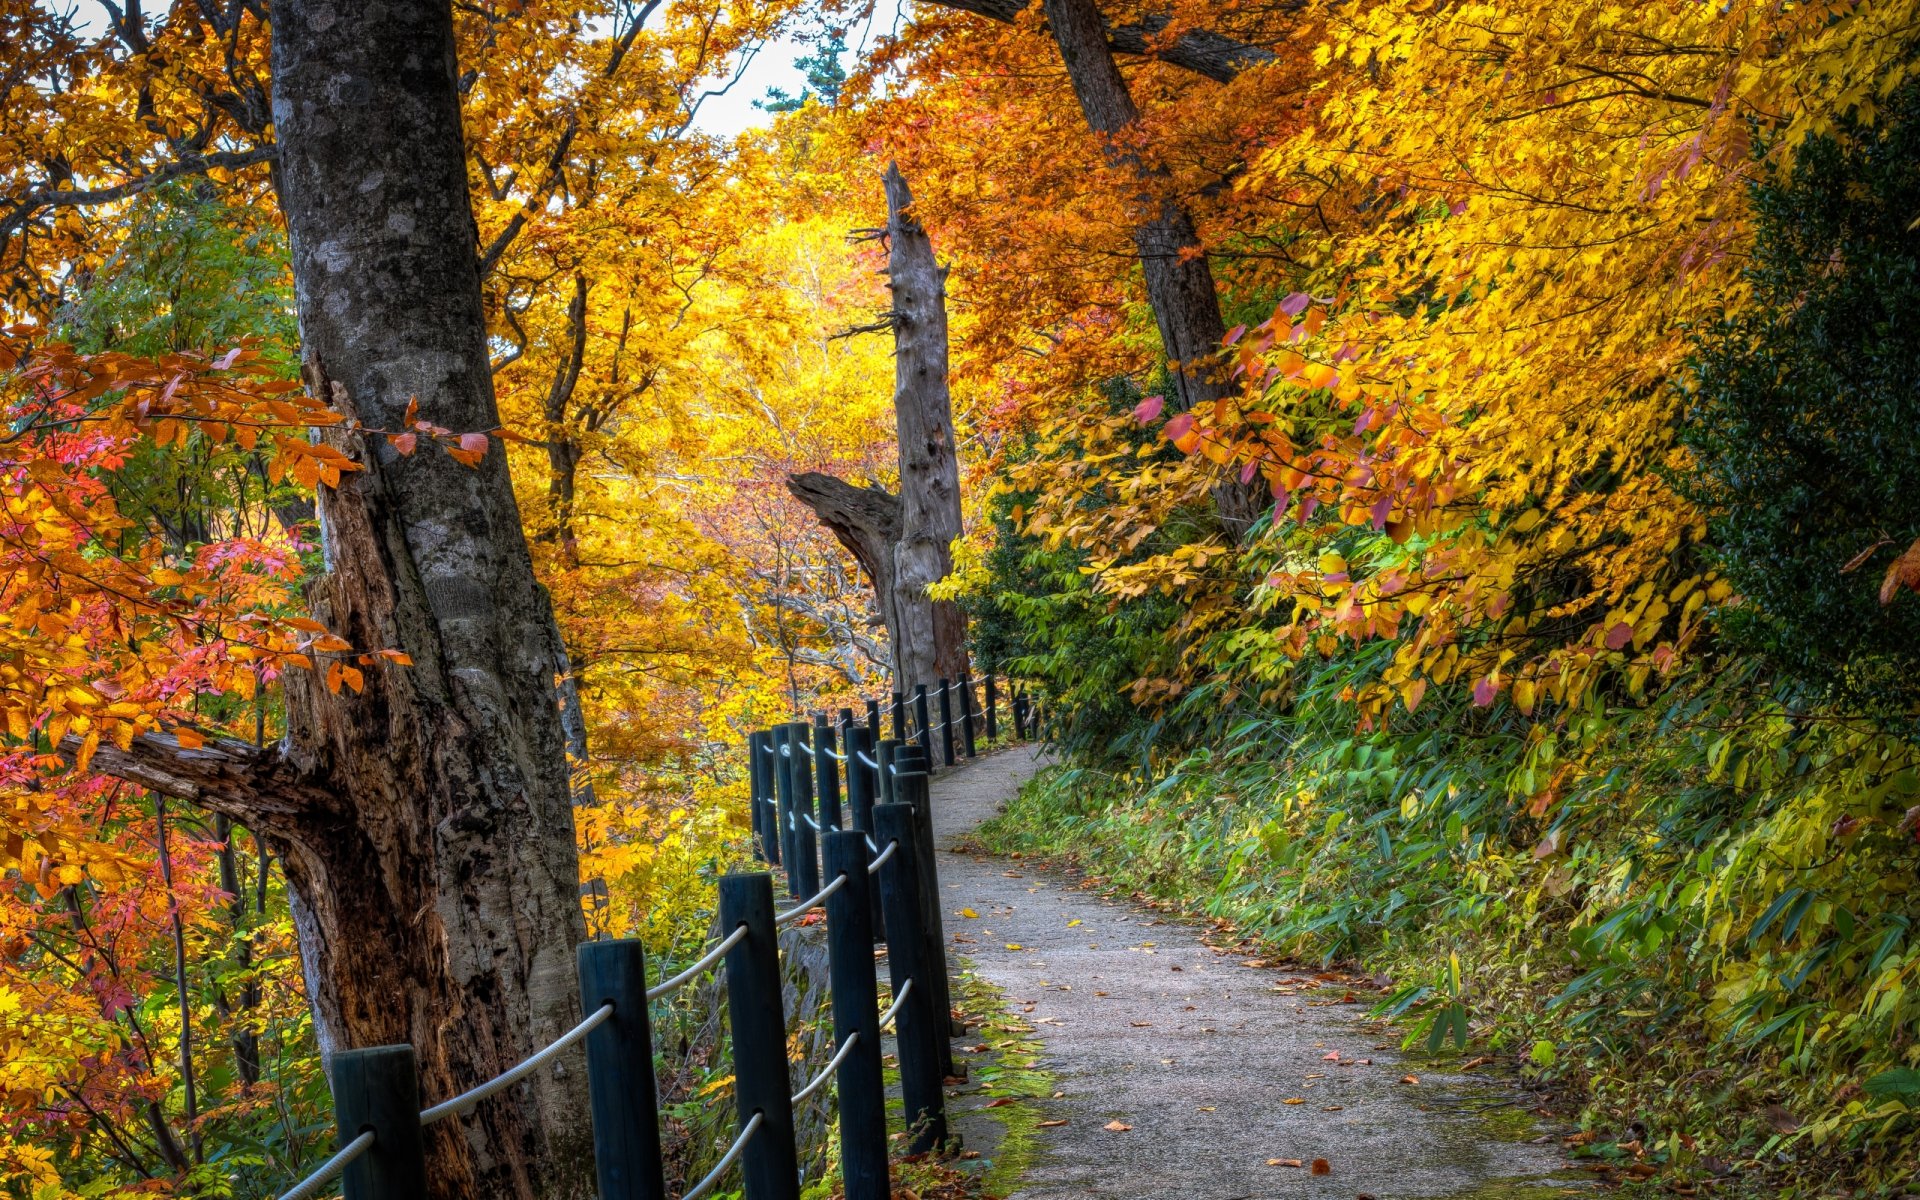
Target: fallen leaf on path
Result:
[[1141, 1024], [1316, 1077], [1015, 946], [1330, 1056], [1072, 923], [981, 1048], [1206, 1108], [968, 913], [1284, 1162], [1322, 1167], [1117, 1127], [1002, 1102], [969, 1154], [1409, 1079], [1293, 1100], [1332, 1107], [1471, 1063], [1050, 1124]]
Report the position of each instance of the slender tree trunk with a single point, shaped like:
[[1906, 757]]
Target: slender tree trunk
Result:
[[424, 823], [930, 642], [1180, 284]]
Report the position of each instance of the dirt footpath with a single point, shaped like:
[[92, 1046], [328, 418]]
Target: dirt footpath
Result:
[[1217, 1068]]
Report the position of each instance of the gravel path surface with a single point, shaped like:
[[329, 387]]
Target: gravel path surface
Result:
[[1214, 1069]]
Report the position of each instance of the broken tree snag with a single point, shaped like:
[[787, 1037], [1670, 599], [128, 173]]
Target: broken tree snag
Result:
[[436, 885], [929, 643], [1180, 284]]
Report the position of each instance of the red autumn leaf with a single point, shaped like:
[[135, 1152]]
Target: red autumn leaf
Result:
[[1149, 408], [1619, 635], [1903, 572], [1179, 426]]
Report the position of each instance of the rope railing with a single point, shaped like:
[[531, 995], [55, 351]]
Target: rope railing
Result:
[[726, 1160], [310, 1187], [826, 1072], [465, 1101], [812, 902], [668, 987], [893, 1010]]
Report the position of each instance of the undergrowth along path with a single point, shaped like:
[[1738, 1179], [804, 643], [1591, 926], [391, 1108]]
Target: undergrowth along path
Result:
[[1223, 1076]]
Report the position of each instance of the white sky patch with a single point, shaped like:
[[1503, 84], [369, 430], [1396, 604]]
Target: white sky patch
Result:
[[772, 67]]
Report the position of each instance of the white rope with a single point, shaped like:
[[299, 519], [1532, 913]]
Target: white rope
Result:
[[808, 818], [465, 1101], [893, 1010], [819, 897], [886, 854], [871, 848], [705, 1185], [667, 987], [865, 761], [310, 1187], [833, 1064]]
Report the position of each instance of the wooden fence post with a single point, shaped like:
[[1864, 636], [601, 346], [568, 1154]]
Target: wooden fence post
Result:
[[863, 1096], [913, 790], [922, 1082], [966, 717], [826, 776], [884, 754], [762, 1083], [924, 735], [873, 719], [766, 823], [946, 723], [783, 807], [899, 717], [862, 782], [805, 844], [379, 1089], [993, 715], [620, 1083]]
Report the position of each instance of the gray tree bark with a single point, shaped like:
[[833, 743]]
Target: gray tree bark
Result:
[[905, 542], [930, 642], [423, 823]]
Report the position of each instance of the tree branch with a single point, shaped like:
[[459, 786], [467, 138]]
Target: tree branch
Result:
[[1201, 51], [252, 784]]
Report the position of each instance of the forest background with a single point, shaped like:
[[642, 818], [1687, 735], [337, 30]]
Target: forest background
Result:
[[1566, 346]]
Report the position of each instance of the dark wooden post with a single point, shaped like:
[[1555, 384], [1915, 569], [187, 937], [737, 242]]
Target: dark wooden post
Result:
[[873, 719], [1020, 715], [913, 790], [966, 717], [379, 1089], [899, 717], [826, 775], [993, 715], [923, 737], [760, 793], [783, 771], [946, 723], [884, 754], [626, 1119], [915, 1032], [761, 1081], [863, 1097], [862, 782], [806, 845]]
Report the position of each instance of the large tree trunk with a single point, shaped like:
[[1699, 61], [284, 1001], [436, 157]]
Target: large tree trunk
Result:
[[1180, 285], [930, 642], [427, 832]]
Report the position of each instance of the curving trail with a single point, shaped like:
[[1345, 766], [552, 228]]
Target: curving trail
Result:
[[1143, 1023]]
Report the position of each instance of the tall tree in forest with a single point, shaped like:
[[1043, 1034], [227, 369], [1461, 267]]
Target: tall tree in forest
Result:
[[905, 542], [421, 811]]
